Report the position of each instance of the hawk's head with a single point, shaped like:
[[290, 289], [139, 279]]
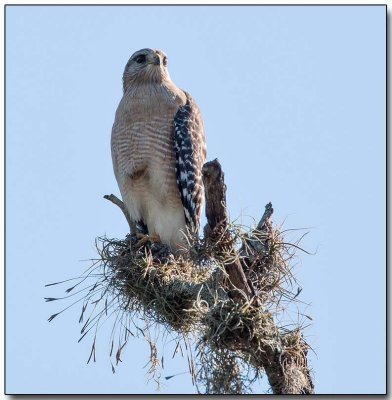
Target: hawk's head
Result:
[[146, 65]]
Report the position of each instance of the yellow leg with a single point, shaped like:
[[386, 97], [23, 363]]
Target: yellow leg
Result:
[[143, 239]]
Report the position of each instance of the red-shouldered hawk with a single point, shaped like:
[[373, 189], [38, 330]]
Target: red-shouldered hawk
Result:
[[158, 150]]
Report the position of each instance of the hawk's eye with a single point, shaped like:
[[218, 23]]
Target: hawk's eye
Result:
[[165, 61], [140, 59]]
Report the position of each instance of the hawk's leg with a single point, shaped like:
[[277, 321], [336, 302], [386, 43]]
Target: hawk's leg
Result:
[[144, 238], [140, 235], [133, 237], [133, 227]]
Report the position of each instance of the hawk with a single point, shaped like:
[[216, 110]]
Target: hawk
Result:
[[158, 150]]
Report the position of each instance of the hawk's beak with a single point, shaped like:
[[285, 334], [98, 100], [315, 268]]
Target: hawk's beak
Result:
[[154, 60], [157, 60]]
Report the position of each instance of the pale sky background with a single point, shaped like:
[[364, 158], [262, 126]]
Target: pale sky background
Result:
[[293, 100]]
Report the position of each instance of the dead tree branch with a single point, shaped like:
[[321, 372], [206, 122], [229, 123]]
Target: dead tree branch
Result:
[[287, 370], [216, 211], [115, 200]]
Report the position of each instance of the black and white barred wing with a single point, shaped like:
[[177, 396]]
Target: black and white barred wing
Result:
[[190, 149]]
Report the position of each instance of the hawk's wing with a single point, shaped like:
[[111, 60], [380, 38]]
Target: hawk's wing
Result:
[[190, 149]]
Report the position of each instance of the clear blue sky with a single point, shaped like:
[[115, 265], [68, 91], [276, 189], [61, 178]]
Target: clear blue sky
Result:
[[293, 100]]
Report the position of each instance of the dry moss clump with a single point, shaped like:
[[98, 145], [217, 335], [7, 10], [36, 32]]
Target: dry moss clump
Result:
[[165, 288], [188, 295]]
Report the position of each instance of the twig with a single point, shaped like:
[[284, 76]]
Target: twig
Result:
[[115, 200]]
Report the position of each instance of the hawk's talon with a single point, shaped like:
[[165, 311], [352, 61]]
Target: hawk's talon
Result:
[[143, 239]]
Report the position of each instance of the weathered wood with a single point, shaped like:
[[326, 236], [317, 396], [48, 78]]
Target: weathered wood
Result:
[[215, 193], [288, 373], [265, 221], [115, 200], [256, 241], [216, 212]]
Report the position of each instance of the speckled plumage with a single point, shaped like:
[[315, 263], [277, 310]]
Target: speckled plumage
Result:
[[158, 149]]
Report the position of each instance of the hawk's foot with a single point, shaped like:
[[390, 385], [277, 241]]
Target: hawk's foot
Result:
[[144, 239]]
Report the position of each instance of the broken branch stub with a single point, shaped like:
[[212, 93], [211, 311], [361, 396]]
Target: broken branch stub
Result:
[[216, 212], [115, 200]]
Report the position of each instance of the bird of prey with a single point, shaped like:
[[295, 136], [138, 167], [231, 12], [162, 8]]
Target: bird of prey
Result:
[[158, 150]]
